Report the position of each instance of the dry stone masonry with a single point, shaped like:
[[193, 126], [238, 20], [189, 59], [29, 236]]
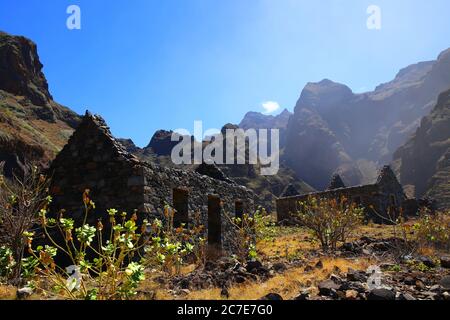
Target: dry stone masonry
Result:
[[93, 159], [378, 199]]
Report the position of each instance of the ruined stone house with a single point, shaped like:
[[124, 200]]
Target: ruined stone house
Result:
[[383, 198], [93, 159]]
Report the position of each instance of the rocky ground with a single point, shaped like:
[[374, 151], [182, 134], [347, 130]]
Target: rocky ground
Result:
[[322, 276]]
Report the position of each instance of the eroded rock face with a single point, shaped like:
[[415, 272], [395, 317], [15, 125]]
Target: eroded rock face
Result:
[[161, 143], [33, 128], [21, 69], [424, 161], [333, 129]]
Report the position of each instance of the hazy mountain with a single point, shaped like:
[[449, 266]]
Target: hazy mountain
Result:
[[334, 130], [32, 126], [257, 120], [424, 161]]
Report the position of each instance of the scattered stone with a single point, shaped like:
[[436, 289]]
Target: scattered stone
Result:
[[430, 295], [435, 288], [302, 296], [24, 293], [279, 267], [410, 281], [406, 296], [336, 279], [445, 262], [240, 279], [381, 294], [351, 294], [252, 266], [445, 283], [420, 285], [356, 276], [272, 297], [328, 288], [427, 262]]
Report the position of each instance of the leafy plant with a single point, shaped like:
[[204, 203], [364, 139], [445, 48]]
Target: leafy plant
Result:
[[21, 198], [248, 230], [7, 262], [169, 247], [433, 229], [330, 221], [103, 262]]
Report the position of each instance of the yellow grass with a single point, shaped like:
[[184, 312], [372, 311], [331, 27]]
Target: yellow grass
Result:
[[7, 292], [288, 284]]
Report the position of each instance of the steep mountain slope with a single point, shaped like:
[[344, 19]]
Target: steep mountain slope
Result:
[[267, 187], [334, 130], [256, 120], [33, 128], [424, 161]]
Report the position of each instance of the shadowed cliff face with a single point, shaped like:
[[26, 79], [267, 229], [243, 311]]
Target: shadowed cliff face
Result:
[[21, 71], [334, 130], [424, 161], [33, 128]]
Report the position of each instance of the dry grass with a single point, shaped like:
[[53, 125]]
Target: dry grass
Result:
[[7, 292], [288, 284], [287, 246]]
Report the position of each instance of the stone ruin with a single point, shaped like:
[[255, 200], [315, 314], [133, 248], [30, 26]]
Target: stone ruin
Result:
[[381, 200], [93, 159]]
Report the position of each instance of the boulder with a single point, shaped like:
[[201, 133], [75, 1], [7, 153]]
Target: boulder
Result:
[[445, 262], [445, 283], [328, 288], [272, 297], [381, 294], [356, 275]]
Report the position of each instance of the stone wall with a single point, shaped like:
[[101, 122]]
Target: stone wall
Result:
[[379, 200], [94, 160]]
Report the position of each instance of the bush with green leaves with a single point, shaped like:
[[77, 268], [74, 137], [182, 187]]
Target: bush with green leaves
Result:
[[433, 229], [330, 220], [107, 263], [7, 262], [169, 247], [249, 229], [104, 264]]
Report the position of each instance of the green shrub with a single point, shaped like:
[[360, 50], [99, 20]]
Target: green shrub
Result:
[[329, 220], [107, 264], [170, 247], [433, 229], [7, 262]]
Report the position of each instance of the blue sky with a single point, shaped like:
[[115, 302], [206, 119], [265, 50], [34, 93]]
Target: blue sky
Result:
[[151, 64]]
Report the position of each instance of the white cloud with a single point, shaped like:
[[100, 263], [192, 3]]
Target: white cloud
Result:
[[270, 106]]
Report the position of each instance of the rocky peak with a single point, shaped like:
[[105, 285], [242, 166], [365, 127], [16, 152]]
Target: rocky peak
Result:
[[21, 70], [336, 183], [161, 143], [323, 94], [257, 120], [289, 191], [386, 174]]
